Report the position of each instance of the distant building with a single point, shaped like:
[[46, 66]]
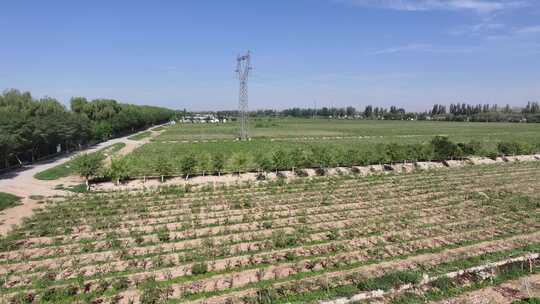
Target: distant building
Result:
[[202, 118]]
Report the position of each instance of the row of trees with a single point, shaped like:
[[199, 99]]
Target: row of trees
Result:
[[33, 128], [320, 157], [455, 112]]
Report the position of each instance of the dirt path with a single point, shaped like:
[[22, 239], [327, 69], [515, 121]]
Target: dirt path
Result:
[[505, 293], [23, 184]]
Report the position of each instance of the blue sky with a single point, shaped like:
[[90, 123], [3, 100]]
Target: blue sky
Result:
[[181, 54]]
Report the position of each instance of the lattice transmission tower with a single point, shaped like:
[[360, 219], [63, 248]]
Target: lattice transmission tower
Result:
[[243, 66]]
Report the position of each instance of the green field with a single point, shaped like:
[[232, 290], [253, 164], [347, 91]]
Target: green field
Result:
[[390, 130], [338, 137], [8, 200]]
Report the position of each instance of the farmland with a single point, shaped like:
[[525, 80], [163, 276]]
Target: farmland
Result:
[[390, 130], [301, 241], [337, 142]]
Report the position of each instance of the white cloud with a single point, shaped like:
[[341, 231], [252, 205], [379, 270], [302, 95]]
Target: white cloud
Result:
[[529, 30], [480, 6], [423, 48], [478, 29]]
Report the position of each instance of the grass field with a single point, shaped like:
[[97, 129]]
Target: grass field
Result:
[[8, 200], [66, 169], [140, 136], [338, 136], [389, 130], [299, 242]]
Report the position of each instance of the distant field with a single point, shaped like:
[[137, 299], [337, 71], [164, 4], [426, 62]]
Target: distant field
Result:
[[392, 130], [336, 135]]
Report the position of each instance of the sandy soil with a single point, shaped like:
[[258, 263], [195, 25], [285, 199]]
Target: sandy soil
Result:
[[23, 184]]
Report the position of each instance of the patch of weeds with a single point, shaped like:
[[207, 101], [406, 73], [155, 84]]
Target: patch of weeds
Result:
[[199, 268]]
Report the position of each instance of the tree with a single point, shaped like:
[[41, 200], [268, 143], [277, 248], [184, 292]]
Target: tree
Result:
[[444, 148], [205, 164], [239, 161], [299, 159], [88, 165], [119, 170], [350, 157], [368, 111], [188, 165], [280, 160], [396, 152], [321, 156], [163, 167], [218, 162], [263, 162]]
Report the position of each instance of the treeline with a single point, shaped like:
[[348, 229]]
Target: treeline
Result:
[[455, 112], [316, 156], [34, 128]]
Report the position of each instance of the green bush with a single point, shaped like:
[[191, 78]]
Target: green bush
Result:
[[444, 148], [199, 268]]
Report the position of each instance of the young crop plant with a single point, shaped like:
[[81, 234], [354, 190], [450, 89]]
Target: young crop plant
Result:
[[118, 170], [239, 162], [280, 160], [199, 268], [188, 165], [205, 163], [218, 163], [163, 167]]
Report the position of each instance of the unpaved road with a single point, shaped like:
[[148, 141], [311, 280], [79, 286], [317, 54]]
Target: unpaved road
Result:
[[22, 182]]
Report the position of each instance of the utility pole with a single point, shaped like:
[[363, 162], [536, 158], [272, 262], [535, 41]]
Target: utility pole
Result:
[[243, 66]]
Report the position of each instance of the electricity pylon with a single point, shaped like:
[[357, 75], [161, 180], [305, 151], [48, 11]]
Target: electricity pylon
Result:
[[242, 69]]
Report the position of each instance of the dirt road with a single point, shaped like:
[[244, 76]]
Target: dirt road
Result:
[[23, 184]]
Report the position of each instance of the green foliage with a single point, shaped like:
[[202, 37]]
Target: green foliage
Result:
[[118, 170], [8, 200], [281, 160], [528, 301], [154, 293], [69, 168], [443, 284], [396, 152], [218, 162], [188, 164], [199, 268], [263, 162], [301, 142], [162, 166], [163, 234], [205, 162], [281, 239], [39, 126], [88, 165], [444, 148], [514, 148], [239, 161], [390, 280]]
